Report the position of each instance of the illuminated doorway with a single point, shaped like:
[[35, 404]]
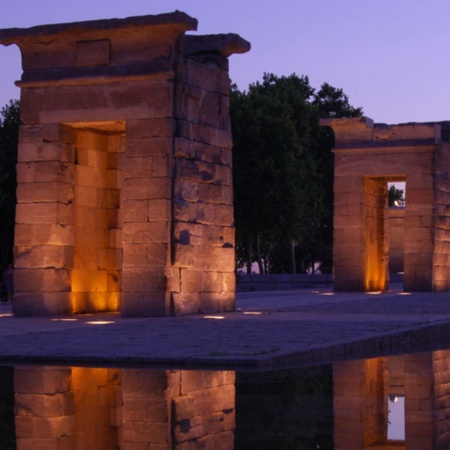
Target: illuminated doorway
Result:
[[96, 272]]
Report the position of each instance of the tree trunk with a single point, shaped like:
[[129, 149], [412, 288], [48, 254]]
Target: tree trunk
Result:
[[293, 265], [258, 257], [249, 256]]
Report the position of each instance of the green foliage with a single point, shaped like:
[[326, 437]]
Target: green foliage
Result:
[[283, 171], [395, 196], [9, 135]]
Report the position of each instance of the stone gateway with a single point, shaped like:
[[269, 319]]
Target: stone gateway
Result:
[[367, 156], [124, 198]]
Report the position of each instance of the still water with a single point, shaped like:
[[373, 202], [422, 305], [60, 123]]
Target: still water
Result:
[[389, 402]]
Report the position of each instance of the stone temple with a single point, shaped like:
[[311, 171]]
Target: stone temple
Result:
[[367, 156], [124, 198]]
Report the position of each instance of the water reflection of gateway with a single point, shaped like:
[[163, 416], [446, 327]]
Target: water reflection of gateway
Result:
[[85, 408], [364, 392], [380, 403]]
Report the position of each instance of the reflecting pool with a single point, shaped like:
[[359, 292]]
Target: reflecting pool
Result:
[[390, 402]]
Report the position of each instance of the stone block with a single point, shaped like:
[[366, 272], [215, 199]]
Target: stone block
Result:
[[145, 233], [44, 380], [211, 302], [146, 304], [183, 304], [205, 134], [159, 210], [137, 100], [135, 210], [41, 303], [139, 166], [191, 281], [41, 280], [44, 405], [37, 213], [223, 215], [148, 433], [146, 279], [192, 149], [27, 234], [148, 147], [152, 189], [154, 127], [48, 151], [41, 428], [135, 255], [201, 380], [43, 256]]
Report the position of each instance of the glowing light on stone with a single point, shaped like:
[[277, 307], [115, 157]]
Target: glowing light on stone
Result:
[[101, 322], [214, 317]]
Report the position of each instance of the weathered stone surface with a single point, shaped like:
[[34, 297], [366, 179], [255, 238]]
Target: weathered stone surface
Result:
[[124, 154], [367, 156]]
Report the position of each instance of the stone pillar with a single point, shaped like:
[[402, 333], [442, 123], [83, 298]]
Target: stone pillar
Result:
[[69, 408], [178, 409], [367, 156], [360, 394], [44, 406], [124, 175]]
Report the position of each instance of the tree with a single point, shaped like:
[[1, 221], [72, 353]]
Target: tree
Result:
[[395, 196], [282, 170], [9, 134]]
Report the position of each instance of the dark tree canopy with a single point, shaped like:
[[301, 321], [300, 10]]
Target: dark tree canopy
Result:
[[395, 196], [9, 133], [283, 171]]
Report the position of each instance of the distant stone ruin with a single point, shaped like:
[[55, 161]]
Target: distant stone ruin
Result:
[[124, 198], [367, 156]]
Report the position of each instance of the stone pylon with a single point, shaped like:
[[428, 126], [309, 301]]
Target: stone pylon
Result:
[[367, 157], [124, 193]]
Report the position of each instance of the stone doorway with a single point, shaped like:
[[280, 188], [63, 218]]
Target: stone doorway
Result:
[[124, 168], [98, 150], [367, 156]]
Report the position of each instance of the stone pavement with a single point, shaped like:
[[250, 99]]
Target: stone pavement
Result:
[[307, 326]]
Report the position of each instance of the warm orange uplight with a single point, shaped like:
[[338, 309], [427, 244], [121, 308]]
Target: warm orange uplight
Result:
[[255, 313], [100, 322], [214, 317], [328, 293], [404, 293], [64, 320], [5, 315], [374, 292]]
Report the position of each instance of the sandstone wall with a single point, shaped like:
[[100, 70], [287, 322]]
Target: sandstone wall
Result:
[[124, 174], [365, 154]]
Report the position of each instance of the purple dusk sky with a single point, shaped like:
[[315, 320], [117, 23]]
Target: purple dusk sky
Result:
[[389, 56]]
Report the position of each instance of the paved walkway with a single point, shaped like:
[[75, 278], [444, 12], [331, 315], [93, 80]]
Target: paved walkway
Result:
[[279, 327]]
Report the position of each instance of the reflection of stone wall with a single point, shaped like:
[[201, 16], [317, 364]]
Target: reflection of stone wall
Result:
[[124, 174], [361, 390], [65, 408], [360, 415], [441, 416], [89, 408], [178, 409]]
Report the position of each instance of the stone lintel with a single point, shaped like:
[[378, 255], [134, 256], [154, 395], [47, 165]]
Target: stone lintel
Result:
[[223, 44], [100, 51], [386, 147], [359, 132], [178, 21]]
